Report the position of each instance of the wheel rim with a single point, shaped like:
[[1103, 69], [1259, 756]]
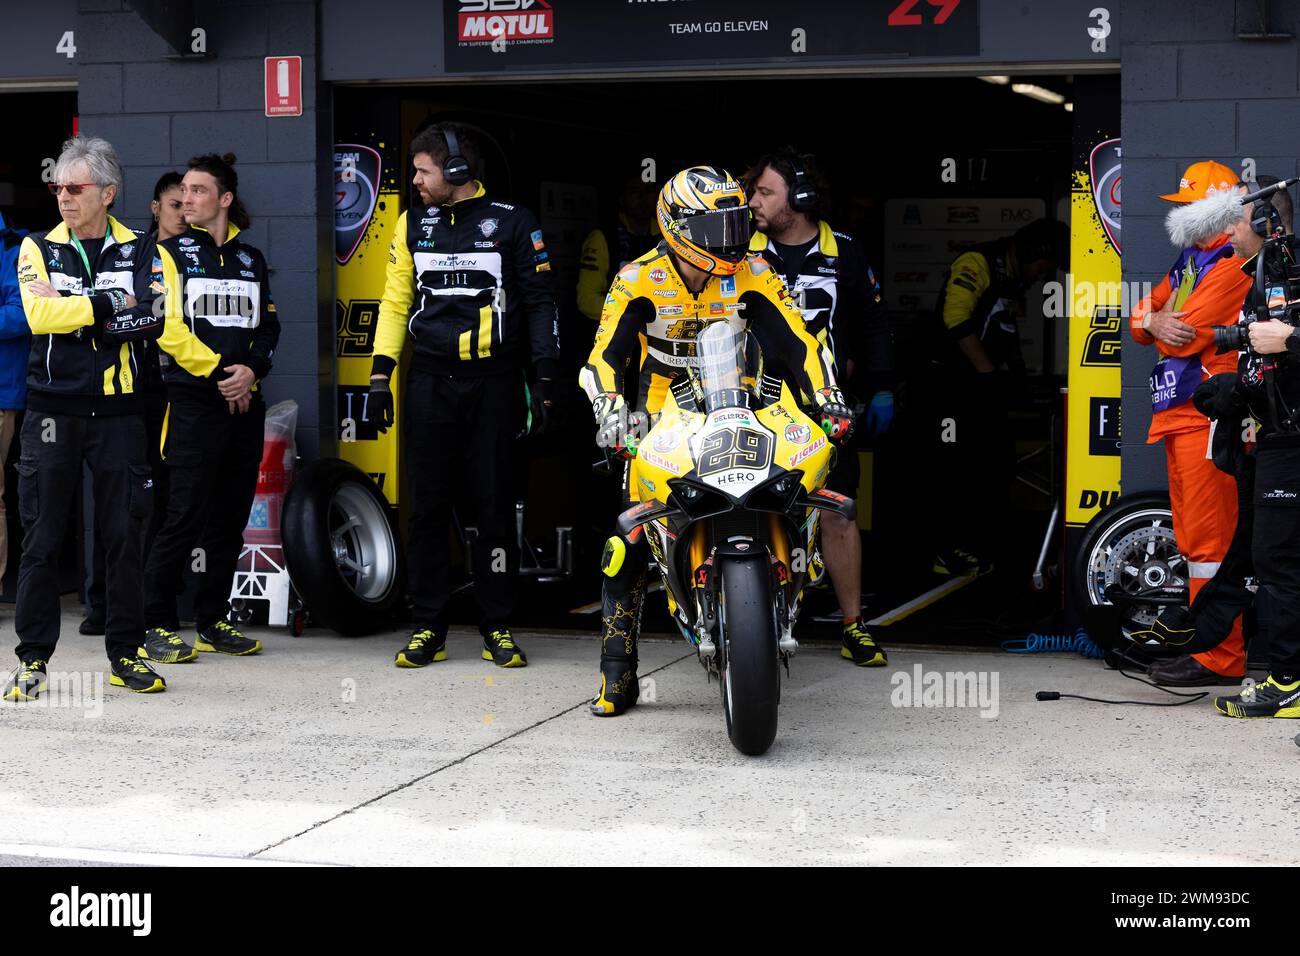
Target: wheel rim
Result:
[[362, 544], [1138, 552]]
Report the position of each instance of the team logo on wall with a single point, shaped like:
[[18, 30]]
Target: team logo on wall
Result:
[[1104, 174], [356, 189]]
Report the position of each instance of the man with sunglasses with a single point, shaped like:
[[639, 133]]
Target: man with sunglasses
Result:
[[85, 290], [702, 272]]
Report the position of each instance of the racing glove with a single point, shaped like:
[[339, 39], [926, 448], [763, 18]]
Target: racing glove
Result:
[[880, 413], [834, 414], [618, 431], [379, 405]]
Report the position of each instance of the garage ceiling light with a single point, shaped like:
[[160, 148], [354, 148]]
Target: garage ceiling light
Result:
[[996, 80], [1038, 93]]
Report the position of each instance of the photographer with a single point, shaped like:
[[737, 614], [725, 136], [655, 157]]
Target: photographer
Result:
[[1269, 383]]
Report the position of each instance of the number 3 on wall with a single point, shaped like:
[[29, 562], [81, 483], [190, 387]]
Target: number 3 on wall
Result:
[[900, 17]]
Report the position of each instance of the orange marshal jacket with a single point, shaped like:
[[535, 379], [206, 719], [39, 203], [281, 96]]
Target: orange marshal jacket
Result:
[[1208, 286]]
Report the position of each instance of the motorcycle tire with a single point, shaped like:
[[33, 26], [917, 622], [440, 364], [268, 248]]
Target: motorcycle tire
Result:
[[1142, 526], [343, 554], [750, 673]]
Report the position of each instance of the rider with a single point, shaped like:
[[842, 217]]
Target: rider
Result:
[[658, 304]]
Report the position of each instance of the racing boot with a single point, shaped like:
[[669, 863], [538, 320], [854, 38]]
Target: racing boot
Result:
[[621, 597]]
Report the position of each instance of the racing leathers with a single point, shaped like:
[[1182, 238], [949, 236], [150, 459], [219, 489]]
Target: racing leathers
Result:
[[221, 293], [470, 283], [84, 405], [650, 316]]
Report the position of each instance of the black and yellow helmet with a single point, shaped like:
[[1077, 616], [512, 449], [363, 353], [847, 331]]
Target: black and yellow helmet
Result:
[[705, 218]]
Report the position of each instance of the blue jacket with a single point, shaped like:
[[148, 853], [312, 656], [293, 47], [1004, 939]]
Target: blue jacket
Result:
[[15, 334]]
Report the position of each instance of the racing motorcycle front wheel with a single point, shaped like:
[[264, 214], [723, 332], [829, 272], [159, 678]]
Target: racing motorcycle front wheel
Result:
[[749, 667]]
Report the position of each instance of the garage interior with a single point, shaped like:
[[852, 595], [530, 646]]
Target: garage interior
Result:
[[881, 146]]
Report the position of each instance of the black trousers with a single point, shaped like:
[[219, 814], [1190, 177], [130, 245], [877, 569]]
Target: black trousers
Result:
[[153, 436], [55, 447], [213, 458], [1276, 543], [462, 431]]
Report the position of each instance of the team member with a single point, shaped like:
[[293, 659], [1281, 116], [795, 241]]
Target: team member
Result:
[[168, 221], [215, 283], [15, 346], [79, 286], [702, 270], [1203, 289], [837, 293], [468, 275], [613, 245], [965, 390], [1269, 380]]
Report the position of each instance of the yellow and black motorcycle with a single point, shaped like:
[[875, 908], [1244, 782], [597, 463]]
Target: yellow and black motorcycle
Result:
[[728, 485]]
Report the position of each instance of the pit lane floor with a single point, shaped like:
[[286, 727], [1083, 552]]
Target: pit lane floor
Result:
[[319, 751]]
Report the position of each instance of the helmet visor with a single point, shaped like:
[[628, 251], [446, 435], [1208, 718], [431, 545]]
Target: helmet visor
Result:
[[723, 232]]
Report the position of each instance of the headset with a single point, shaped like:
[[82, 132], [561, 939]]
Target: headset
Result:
[[1264, 219], [455, 168], [803, 194]]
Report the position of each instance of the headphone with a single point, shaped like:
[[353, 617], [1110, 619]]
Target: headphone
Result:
[[803, 194], [1264, 219], [455, 168]]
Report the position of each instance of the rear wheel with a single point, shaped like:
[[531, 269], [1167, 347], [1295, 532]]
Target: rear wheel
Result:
[[342, 552], [749, 668]]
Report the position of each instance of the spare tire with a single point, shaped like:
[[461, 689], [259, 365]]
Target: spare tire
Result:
[[343, 553]]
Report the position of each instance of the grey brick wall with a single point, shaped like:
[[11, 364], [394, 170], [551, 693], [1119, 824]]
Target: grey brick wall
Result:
[[1191, 90], [159, 110]]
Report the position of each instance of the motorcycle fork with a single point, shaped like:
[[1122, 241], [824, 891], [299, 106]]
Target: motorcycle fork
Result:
[[706, 607], [782, 581]]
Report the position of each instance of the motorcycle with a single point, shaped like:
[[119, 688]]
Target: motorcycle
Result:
[[728, 484]]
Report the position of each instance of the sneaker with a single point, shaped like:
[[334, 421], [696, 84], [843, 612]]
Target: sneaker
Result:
[[93, 623], [959, 563], [26, 682], [619, 688], [1265, 699], [424, 647], [500, 648], [165, 647], [135, 675], [860, 648], [223, 638]]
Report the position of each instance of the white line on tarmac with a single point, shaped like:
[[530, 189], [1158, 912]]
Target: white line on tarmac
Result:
[[131, 858]]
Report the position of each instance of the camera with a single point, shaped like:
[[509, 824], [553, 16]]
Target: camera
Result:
[[1232, 338], [1277, 276]]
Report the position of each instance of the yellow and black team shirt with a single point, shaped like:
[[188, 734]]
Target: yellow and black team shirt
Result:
[[84, 359], [470, 283], [221, 296], [841, 301], [651, 316], [982, 296]]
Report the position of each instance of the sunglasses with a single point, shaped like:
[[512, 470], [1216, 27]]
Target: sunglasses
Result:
[[74, 189]]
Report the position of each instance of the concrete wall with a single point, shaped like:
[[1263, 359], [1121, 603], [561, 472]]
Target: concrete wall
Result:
[[158, 110], [1191, 90]]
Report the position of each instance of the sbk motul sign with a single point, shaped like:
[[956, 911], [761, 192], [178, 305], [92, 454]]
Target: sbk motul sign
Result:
[[482, 21]]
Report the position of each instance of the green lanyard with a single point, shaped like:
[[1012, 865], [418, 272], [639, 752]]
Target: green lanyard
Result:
[[82, 252]]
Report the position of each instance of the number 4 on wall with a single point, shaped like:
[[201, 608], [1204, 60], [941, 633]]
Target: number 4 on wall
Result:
[[900, 17], [66, 45]]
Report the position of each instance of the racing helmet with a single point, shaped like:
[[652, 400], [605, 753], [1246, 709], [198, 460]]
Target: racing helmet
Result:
[[705, 219]]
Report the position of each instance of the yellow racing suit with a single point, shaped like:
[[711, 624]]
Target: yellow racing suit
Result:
[[649, 314]]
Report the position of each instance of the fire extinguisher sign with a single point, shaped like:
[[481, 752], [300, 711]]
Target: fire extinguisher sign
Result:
[[284, 86]]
